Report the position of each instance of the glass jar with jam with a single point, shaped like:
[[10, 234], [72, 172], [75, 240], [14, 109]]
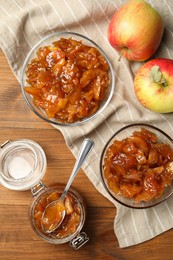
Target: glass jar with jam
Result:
[[23, 164], [75, 215]]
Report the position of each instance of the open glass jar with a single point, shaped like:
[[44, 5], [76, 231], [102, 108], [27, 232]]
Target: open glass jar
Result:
[[69, 230], [22, 166]]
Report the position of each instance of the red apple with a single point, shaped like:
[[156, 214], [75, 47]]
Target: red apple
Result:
[[153, 85], [136, 30]]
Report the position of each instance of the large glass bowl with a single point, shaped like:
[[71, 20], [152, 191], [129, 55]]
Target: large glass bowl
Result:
[[109, 182], [47, 41]]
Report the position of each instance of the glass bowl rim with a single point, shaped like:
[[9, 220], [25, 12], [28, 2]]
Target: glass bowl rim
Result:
[[101, 166], [112, 85]]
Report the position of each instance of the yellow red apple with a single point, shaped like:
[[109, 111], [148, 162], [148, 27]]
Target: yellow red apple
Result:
[[153, 85], [136, 30]]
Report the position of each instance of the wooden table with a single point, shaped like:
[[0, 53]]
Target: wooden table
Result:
[[17, 239]]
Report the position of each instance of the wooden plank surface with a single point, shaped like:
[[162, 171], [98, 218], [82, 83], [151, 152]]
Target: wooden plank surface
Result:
[[17, 240]]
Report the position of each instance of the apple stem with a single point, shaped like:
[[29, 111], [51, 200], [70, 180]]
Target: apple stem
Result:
[[157, 76], [121, 54]]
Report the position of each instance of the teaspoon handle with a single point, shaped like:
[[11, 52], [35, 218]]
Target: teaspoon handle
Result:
[[85, 149]]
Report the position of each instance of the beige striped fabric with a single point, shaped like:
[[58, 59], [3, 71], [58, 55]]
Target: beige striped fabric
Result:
[[25, 22]]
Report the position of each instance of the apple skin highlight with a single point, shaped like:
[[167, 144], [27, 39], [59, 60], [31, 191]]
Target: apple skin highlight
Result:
[[136, 30], [155, 96]]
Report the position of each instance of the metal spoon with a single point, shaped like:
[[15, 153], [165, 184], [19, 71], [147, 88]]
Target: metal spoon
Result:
[[56, 208]]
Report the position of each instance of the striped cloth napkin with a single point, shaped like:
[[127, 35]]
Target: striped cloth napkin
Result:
[[25, 22]]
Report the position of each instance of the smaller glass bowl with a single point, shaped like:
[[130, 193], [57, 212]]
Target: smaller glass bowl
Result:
[[70, 227], [47, 41], [121, 134]]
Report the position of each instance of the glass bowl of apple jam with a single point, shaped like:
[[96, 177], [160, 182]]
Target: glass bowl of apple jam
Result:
[[137, 166], [67, 79], [75, 215]]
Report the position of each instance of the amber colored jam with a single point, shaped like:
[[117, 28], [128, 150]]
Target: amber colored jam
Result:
[[139, 166], [68, 80], [72, 218], [53, 216]]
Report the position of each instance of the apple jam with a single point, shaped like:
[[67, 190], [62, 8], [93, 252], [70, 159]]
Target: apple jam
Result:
[[139, 167], [68, 80], [72, 218]]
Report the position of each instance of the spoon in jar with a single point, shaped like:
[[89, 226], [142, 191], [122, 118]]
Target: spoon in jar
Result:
[[54, 212]]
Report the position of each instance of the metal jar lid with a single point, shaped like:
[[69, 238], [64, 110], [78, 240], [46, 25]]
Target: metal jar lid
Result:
[[22, 164]]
